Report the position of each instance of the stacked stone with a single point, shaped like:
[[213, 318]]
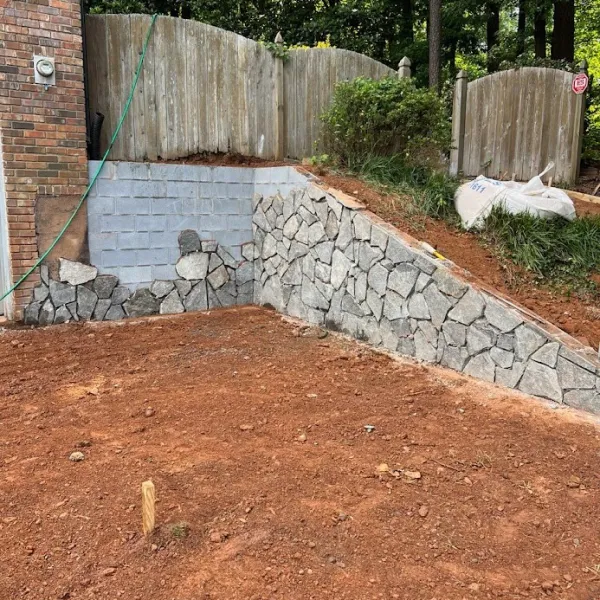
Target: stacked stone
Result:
[[325, 261], [210, 278]]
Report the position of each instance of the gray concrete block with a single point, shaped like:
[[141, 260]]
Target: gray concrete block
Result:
[[134, 275], [117, 258], [239, 222], [227, 206], [212, 223], [206, 190], [153, 256], [219, 190], [102, 241], [204, 206], [164, 239], [182, 189], [240, 190], [128, 241], [99, 205], [117, 223], [150, 222], [108, 170], [180, 222], [132, 170], [132, 206], [232, 238], [280, 175], [262, 175], [166, 206], [115, 188]]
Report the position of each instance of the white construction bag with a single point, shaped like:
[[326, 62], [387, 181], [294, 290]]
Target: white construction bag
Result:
[[475, 200]]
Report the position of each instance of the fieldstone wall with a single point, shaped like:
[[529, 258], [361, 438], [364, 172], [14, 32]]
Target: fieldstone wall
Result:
[[321, 258], [208, 277]]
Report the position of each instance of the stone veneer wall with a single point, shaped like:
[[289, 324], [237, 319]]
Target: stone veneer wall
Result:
[[321, 258]]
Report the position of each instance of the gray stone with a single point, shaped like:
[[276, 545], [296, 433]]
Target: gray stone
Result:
[[469, 308], [417, 307], [308, 267], [72, 306], [324, 252], [360, 287], [214, 262], [437, 303], [302, 233], [379, 238], [248, 251], [479, 339], [335, 205], [572, 376], [402, 328], [423, 349], [142, 303], [161, 288], [189, 242], [293, 274], [323, 272], [260, 220], [362, 227], [316, 234], [332, 226], [245, 273], [227, 259], [348, 305], [510, 377], [45, 274], [378, 278], [506, 342], [448, 284], [40, 293], [547, 354], [397, 252], [425, 264], [374, 303], [115, 313], [46, 316], [482, 367], [578, 358], [454, 357], [403, 279], [503, 358], [429, 331], [393, 306], [368, 255], [278, 204], [290, 229], [75, 273], [283, 247], [86, 302], [209, 246], [406, 346], [218, 278], [527, 341], [101, 309], [183, 286], [120, 295], [104, 285], [349, 251], [322, 211], [311, 296], [62, 315], [269, 247], [422, 282], [32, 313], [61, 293], [271, 216], [296, 250], [455, 334], [389, 339], [541, 380], [588, 400], [502, 318], [171, 304], [193, 266], [345, 232], [325, 289], [296, 308], [340, 266], [197, 299]]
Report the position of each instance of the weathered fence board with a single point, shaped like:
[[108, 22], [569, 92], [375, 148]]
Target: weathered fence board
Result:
[[516, 122], [206, 89]]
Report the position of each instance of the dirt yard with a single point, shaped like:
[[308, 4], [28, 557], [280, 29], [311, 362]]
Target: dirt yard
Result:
[[269, 485]]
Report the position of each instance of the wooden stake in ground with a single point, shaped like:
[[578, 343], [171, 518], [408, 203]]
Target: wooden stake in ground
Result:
[[148, 500]]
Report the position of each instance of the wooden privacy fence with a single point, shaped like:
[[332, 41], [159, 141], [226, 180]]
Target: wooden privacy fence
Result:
[[511, 124], [204, 89]]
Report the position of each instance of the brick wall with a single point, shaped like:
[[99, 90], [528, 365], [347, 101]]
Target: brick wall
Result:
[[42, 131], [137, 210]]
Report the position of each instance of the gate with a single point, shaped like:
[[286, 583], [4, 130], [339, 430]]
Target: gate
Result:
[[511, 124]]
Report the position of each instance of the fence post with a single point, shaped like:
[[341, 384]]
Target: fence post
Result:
[[278, 96], [404, 68], [578, 129], [459, 114]]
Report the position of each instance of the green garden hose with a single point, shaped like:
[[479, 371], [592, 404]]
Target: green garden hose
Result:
[[95, 177]]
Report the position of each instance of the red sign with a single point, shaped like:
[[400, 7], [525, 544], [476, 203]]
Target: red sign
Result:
[[580, 83]]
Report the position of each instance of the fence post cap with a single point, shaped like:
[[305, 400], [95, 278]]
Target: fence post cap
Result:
[[405, 62], [583, 67], [279, 38], [462, 74]]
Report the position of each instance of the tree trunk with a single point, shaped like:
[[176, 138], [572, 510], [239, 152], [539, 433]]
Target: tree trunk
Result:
[[493, 27], [407, 22], [521, 25], [563, 34], [539, 33], [434, 35]]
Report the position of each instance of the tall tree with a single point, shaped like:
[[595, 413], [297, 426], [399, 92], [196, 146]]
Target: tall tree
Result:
[[492, 29], [434, 36], [539, 30], [521, 27], [563, 33]]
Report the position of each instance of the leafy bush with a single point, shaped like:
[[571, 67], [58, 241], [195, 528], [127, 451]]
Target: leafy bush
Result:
[[390, 116]]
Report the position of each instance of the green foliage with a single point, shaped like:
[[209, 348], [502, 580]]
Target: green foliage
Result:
[[386, 117], [277, 50], [555, 250]]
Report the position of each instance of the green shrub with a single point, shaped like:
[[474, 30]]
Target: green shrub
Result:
[[384, 117]]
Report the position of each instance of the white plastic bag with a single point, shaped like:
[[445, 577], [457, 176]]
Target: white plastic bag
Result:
[[475, 200]]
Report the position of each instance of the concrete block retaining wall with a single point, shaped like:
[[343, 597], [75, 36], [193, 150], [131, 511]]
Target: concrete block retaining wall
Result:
[[321, 257]]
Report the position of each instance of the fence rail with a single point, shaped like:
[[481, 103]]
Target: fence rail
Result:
[[204, 89]]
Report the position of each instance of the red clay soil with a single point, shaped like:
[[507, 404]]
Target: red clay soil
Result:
[[577, 316], [268, 484]]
